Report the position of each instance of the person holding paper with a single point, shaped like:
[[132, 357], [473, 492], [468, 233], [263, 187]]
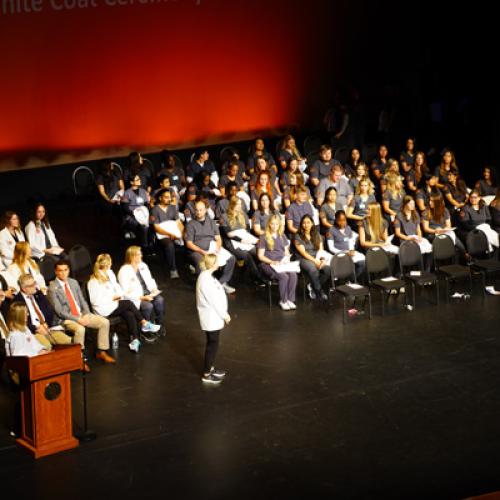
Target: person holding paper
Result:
[[211, 303], [135, 201], [297, 210], [314, 261], [235, 228], [139, 285], [203, 237], [274, 249], [41, 236], [373, 231], [168, 227]]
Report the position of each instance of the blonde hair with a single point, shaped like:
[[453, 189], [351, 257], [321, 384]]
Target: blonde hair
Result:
[[21, 256], [208, 261], [103, 260], [17, 316], [131, 252], [366, 179], [391, 179], [375, 222], [268, 234], [233, 217]]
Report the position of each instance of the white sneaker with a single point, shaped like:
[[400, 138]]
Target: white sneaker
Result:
[[491, 290], [284, 306], [291, 305], [229, 289], [135, 345]]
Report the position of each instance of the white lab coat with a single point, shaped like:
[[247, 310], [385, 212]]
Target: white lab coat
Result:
[[13, 274], [7, 244], [36, 239], [101, 294], [131, 285], [211, 302]]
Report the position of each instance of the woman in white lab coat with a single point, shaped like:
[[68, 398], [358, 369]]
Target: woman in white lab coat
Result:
[[211, 302], [10, 235]]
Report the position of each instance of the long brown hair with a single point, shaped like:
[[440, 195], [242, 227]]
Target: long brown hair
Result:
[[442, 171], [258, 187], [374, 221], [436, 210], [314, 236], [235, 217], [413, 213]]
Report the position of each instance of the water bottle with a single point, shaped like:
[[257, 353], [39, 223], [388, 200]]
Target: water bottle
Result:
[[115, 341]]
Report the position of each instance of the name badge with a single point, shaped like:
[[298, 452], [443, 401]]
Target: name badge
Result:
[[346, 238], [139, 200], [175, 177], [362, 205]]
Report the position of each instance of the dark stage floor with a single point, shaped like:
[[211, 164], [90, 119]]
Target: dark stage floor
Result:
[[405, 406]]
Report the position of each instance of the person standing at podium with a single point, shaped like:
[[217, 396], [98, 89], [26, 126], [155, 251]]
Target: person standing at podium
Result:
[[70, 306]]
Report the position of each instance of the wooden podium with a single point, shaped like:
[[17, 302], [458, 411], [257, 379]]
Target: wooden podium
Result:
[[46, 399]]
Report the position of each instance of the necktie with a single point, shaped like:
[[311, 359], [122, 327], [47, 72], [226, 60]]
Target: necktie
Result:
[[145, 290], [38, 312], [3, 327], [47, 239], [71, 300]]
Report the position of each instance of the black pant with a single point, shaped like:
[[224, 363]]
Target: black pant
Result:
[[168, 247], [129, 313], [211, 349]]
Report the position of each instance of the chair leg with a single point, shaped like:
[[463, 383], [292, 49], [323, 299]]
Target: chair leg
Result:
[[447, 289], [369, 306], [437, 292], [483, 276], [344, 312], [383, 302], [269, 292], [413, 294]]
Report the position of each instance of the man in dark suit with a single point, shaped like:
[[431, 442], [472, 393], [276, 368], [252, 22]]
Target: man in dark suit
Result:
[[72, 309], [41, 317]]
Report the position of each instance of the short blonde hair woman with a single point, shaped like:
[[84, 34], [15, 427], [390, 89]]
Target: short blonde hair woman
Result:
[[22, 263]]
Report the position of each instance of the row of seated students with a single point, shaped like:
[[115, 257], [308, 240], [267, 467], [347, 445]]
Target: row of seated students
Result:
[[354, 206]]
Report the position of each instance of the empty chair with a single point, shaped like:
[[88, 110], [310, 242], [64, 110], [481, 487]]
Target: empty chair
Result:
[[344, 282], [412, 268], [443, 252], [369, 152], [84, 182], [378, 270], [80, 262], [46, 266], [342, 154], [312, 144], [483, 261], [227, 153]]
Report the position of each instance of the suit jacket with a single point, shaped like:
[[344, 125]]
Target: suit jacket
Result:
[[57, 297], [44, 306]]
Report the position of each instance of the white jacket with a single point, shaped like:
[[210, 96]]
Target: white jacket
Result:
[[36, 238], [211, 302], [13, 274], [131, 285], [101, 294], [7, 244]]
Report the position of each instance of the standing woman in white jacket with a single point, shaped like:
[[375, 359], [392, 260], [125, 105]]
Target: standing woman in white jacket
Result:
[[211, 302], [139, 285], [41, 236]]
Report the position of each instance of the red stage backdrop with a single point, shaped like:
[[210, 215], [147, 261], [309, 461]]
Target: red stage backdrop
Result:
[[85, 75]]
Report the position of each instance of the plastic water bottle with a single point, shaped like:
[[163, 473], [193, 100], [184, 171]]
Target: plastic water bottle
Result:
[[115, 342]]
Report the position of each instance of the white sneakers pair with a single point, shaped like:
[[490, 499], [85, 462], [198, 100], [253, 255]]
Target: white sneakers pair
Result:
[[288, 305]]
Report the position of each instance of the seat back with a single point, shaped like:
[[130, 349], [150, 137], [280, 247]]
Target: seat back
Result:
[[443, 250], [312, 144], [477, 244], [377, 263], [227, 153], [84, 182], [46, 266], [369, 152], [81, 262], [149, 165], [118, 167], [410, 256], [342, 154], [343, 268]]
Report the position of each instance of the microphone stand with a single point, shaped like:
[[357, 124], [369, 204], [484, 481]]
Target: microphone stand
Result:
[[85, 436]]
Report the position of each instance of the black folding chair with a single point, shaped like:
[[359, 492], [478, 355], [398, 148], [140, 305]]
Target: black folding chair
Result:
[[46, 266], [412, 269], [483, 261], [443, 252], [344, 271], [378, 270], [84, 185], [342, 154], [81, 263]]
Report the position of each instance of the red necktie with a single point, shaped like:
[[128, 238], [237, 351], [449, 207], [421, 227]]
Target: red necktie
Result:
[[37, 310], [71, 300]]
